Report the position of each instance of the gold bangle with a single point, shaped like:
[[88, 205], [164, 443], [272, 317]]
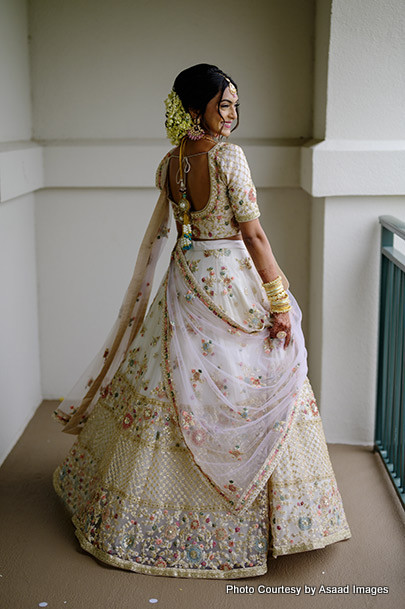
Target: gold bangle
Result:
[[286, 310], [274, 281], [277, 296]]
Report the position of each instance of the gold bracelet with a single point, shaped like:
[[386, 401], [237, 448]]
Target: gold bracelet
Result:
[[275, 281], [283, 309], [278, 297]]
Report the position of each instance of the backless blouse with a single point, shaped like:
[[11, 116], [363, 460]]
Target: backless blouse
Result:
[[232, 193]]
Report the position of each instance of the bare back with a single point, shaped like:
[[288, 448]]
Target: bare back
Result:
[[197, 179]]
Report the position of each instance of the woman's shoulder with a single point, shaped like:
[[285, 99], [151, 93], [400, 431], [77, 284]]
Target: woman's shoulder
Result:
[[229, 149], [230, 154], [161, 171], [231, 158]]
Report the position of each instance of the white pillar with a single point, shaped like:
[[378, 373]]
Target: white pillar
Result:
[[355, 175]]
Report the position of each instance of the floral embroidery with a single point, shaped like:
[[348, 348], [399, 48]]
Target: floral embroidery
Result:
[[250, 376], [255, 318], [198, 437], [194, 554], [304, 523], [235, 452], [221, 533], [206, 347], [252, 195], [170, 531], [209, 281], [231, 487], [217, 253], [128, 541], [244, 263], [261, 544], [189, 296], [324, 502], [268, 345], [188, 419], [244, 413], [193, 265], [279, 426], [195, 377], [226, 280], [128, 420], [159, 391]]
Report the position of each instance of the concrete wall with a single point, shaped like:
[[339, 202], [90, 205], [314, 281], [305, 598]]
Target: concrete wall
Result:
[[20, 391]]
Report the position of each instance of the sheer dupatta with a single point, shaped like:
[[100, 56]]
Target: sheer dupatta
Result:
[[235, 391], [76, 407]]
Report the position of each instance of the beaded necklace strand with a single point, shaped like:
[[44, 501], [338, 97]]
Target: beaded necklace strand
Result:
[[184, 203]]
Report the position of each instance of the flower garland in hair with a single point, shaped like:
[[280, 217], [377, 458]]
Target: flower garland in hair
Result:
[[178, 121]]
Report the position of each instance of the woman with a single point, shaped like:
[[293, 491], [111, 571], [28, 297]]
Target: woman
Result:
[[200, 446]]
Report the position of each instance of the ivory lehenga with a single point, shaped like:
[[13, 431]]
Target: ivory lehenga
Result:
[[200, 447]]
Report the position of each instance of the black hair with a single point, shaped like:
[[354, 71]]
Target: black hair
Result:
[[196, 86]]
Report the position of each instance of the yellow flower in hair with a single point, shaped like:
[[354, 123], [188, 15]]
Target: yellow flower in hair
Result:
[[178, 121]]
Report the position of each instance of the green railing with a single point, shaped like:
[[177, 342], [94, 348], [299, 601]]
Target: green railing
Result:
[[390, 416]]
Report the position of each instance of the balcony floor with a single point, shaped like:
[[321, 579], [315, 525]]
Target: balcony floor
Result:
[[43, 562]]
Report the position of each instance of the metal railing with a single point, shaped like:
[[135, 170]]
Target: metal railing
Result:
[[390, 415]]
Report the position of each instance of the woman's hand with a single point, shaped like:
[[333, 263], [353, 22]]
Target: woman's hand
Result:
[[281, 323]]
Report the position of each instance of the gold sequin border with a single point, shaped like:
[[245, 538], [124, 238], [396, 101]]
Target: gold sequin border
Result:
[[313, 545], [167, 571]]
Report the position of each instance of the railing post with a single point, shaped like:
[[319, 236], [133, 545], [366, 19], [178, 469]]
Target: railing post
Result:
[[390, 420]]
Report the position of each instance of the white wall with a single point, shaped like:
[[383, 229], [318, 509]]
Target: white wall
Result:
[[20, 391], [349, 326], [366, 85], [102, 68]]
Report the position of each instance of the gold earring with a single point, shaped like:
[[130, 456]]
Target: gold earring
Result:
[[196, 132]]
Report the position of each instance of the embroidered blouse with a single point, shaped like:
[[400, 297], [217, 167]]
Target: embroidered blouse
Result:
[[232, 193]]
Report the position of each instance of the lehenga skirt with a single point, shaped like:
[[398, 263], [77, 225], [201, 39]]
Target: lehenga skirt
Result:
[[141, 496]]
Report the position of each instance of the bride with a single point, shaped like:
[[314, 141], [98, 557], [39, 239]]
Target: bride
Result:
[[200, 448]]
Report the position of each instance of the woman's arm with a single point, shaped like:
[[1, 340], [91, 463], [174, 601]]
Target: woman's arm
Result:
[[261, 253]]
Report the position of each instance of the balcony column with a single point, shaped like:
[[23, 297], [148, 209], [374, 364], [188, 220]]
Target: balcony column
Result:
[[354, 170]]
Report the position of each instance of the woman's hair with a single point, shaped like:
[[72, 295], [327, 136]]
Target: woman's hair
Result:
[[196, 86]]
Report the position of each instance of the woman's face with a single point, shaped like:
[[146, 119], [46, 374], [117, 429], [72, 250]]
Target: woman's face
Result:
[[221, 123]]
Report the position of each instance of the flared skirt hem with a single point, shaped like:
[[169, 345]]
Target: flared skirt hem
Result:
[[236, 573]]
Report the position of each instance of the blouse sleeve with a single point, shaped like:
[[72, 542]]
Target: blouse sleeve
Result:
[[241, 190]]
